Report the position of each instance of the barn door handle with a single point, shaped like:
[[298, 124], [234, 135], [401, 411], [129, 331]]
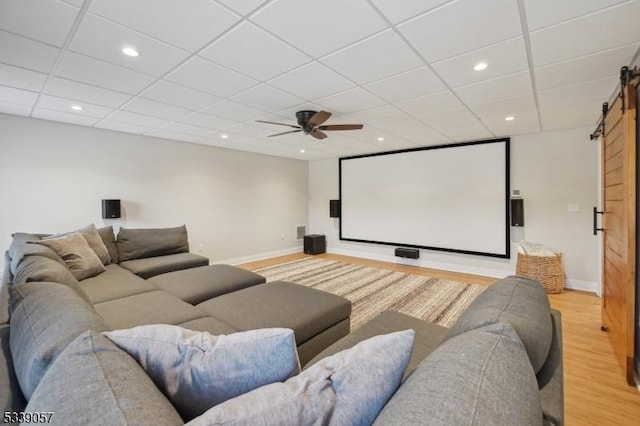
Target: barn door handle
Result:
[[595, 221]]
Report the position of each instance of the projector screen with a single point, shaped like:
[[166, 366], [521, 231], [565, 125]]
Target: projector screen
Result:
[[451, 198]]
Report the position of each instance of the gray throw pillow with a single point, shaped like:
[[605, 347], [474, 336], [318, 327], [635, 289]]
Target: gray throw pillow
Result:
[[73, 248], [109, 240], [197, 370], [94, 382], [45, 317], [90, 233], [141, 243], [348, 388]]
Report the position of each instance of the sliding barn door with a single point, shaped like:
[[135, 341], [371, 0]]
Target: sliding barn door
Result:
[[619, 223]]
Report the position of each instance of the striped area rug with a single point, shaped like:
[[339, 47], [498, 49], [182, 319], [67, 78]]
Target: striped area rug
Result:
[[373, 291]]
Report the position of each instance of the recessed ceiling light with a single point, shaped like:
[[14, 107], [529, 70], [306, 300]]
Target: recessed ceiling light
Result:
[[224, 136], [380, 139], [509, 118], [302, 151], [76, 107], [130, 51], [480, 66]]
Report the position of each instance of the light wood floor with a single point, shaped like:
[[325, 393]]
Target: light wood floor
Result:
[[595, 389]]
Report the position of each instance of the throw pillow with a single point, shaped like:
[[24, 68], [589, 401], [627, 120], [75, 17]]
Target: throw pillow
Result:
[[142, 243], [73, 248], [109, 241], [348, 388], [90, 233], [197, 370]]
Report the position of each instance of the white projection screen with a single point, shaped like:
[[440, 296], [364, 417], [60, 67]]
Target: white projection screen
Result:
[[451, 198]]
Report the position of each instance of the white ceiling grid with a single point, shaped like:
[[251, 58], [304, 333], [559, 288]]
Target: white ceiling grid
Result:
[[208, 69]]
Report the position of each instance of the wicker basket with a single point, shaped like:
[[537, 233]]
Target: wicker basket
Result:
[[546, 269]]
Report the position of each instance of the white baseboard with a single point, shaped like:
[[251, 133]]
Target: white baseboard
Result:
[[590, 286], [259, 256]]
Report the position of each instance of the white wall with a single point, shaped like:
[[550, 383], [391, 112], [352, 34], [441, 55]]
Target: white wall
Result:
[[552, 170], [236, 205]]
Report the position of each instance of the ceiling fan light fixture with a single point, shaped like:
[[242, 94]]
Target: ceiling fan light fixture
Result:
[[480, 66], [131, 51]]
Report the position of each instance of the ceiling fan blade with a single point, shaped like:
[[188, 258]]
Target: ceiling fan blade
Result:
[[341, 127], [279, 124], [319, 118], [285, 133], [318, 134]]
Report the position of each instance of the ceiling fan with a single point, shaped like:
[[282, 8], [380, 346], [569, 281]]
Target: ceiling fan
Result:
[[310, 122]]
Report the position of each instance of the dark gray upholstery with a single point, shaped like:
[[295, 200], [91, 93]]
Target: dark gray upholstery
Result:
[[196, 285], [208, 324], [7, 279], [22, 246], [45, 317], [521, 302], [114, 283], [152, 266], [482, 377], [141, 243], [153, 307], [550, 377], [280, 304], [109, 240], [11, 398], [94, 382], [428, 336]]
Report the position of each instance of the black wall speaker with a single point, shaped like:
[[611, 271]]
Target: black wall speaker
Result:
[[517, 212], [407, 252], [110, 209], [334, 208]]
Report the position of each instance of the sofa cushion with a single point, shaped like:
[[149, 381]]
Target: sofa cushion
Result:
[[521, 302], [305, 310], [348, 388], [141, 243], [43, 269], [152, 266], [481, 377], [109, 241], [208, 324], [153, 307], [73, 248], [196, 285], [197, 370], [45, 317], [94, 382], [11, 398], [20, 249], [90, 233], [114, 283]]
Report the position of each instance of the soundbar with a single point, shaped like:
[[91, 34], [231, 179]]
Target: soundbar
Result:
[[408, 253]]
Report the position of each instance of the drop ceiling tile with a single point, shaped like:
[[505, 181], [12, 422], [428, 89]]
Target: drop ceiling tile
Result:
[[17, 96], [155, 109], [505, 107], [83, 92], [288, 115], [188, 27], [46, 114], [461, 27], [267, 98], [122, 127], [506, 57], [496, 89], [42, 20], [234, 111], [15, 109], [350, 101], [570, 116], [377, 57], [328, 28], [175, 136], [543, 13], [208, 121], [312, 81], [591, 67], [398, 11], [595, 89], [273, 56], [410, 129], [21, 78], [447, 117], [253, 131], [174, 94], [136, 119], [101, 39], [94, 72], [464, 130], [411, 84], [587, 34], [186, 129], [64, 105], [204, 75], [25, 53], [423, 105], [242, 7], [524, 122]]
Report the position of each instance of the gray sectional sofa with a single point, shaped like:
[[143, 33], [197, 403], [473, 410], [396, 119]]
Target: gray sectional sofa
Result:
[[501, 362]]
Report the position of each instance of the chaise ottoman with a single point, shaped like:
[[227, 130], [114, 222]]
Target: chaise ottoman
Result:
[[317, 318]]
